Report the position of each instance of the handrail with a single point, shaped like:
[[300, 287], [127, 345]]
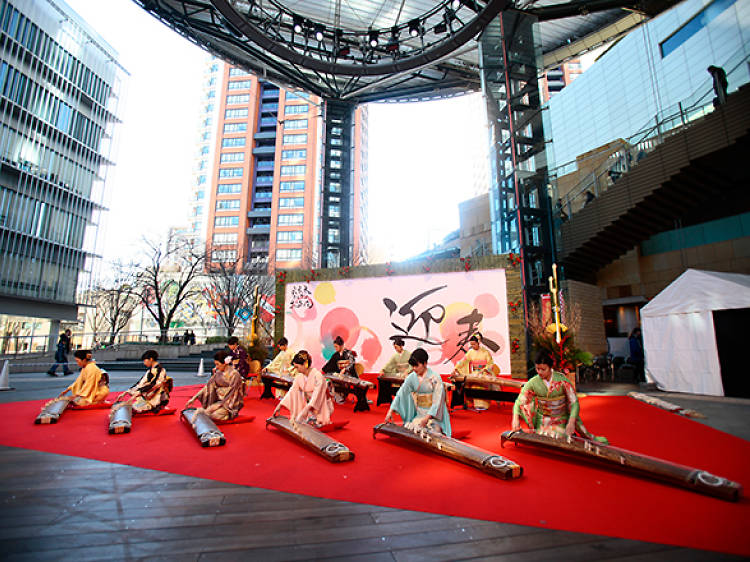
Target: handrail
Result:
[[667, 122]]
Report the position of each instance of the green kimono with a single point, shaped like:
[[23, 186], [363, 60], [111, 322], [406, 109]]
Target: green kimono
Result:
[[547, 409], [416, 399]]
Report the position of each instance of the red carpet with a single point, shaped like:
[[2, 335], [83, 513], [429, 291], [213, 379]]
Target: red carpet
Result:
[[553, 493]]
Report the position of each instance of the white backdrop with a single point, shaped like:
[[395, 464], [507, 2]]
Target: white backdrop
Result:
[[437, 312]]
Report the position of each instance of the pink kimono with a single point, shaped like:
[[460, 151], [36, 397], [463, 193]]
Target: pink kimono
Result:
[[308, 398]]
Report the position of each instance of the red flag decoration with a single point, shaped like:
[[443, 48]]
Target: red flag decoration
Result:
[[267, 307]]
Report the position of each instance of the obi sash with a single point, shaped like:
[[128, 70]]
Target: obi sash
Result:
[[423, 401], [553, 406], [477, 366]]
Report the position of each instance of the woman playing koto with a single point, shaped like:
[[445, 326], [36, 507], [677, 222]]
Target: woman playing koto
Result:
[[222, 397], [91, 385], [421, 399], [151, 393], [308, 400]]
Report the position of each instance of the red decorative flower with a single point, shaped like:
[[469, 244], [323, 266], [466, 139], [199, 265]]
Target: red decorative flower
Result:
[[388, 268], [514, 259], [515, 345], [467, 263], [312, 276], [281, 277], [514, 305], [344, 271], [426, 268]]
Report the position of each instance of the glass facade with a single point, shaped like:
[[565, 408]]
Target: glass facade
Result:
[[60, 86]]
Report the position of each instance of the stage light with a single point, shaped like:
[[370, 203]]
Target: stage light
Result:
[[373, 38], [319, 29], [414, 27], [297, 23], [456, 4]]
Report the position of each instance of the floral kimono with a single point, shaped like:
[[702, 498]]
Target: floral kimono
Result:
[[547, 409], [308, 399], [223, 395], [398, 364], [416, 399], [152, 392], [475, 360]]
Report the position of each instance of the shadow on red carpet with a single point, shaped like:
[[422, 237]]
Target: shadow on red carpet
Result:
[[553, 493]]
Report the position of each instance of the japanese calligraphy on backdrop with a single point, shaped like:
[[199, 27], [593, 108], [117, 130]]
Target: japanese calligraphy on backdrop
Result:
[[438, 311]]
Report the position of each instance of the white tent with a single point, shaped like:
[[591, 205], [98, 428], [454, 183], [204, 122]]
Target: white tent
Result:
[[678, 330]]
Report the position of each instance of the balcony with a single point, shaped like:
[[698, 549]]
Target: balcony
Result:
[[260, 213], [260, 229], [264, 150]]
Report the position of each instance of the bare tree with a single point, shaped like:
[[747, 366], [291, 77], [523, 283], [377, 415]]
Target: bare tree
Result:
[[230, 290], [168, 277], [118, 299]]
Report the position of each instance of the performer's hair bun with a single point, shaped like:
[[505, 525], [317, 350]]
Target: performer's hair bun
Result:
[[302, 357], [222, 356], [338, 340], [150, 354]]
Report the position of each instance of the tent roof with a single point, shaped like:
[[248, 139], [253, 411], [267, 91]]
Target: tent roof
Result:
[[696, 291]]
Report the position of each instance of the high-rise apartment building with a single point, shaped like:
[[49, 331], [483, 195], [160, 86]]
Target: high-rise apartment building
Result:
[[266, 203], [206, 141], [555, 79], [60, 84]]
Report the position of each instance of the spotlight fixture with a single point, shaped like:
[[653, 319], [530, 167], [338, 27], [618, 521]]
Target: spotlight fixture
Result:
[[298, 21], [456, 4], [319, 29], [414, 27], [373, 38]]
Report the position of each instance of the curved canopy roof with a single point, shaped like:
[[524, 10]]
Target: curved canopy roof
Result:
[[365, 50]]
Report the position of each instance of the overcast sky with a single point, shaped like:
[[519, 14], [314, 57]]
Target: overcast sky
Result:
[[421, 159]]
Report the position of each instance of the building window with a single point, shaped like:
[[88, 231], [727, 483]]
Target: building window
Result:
[[335, 153], [295, 109], [225, 239], [335, 187], [230, 173], [232, 157], [291, 202], [201, 180], [224, 255], [297, 95], [295, 219], [238, 85], [199, 195], [335, 142], [288, 254], [295, 124], [298, 170], [333, 236], [694, 25], [289, 237], [294, 154], [223, 222], [238, 99], [236, 113], [229, 188], [334, 211], [226, 204], [292, 186], [235, 128], [295, 139], [336, 164], [237, 72], [233, 142]]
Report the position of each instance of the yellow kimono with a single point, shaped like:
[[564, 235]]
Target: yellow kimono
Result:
[[281, 363], [479, 356], [89, 388]]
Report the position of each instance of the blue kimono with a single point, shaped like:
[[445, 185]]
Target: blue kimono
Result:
[[415, 399]]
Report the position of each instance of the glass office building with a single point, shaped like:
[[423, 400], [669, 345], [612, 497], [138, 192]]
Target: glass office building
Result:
[[651, 73], [60, 86]]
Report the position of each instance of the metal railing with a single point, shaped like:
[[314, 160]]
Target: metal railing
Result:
[[634, 149]]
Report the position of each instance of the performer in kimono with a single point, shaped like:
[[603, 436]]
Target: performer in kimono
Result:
[[548, 403], [308, 400], [240, 358], [342, 361], [399, 362], [477, 360], [151, 393], [91, 386], [282, 363], [222, 397], [420, 402]]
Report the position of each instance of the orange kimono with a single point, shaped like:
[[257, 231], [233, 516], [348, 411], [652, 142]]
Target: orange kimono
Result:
[[89, 388]]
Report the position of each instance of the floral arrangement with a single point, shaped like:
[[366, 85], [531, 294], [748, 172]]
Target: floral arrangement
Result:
[[565, 353], [281, 276], [312, 276], [515, 345], [388, 268], [514, 259], [467, 263], [344, 271]]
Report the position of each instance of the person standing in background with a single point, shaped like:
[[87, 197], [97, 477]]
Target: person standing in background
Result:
[[61, 355]]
